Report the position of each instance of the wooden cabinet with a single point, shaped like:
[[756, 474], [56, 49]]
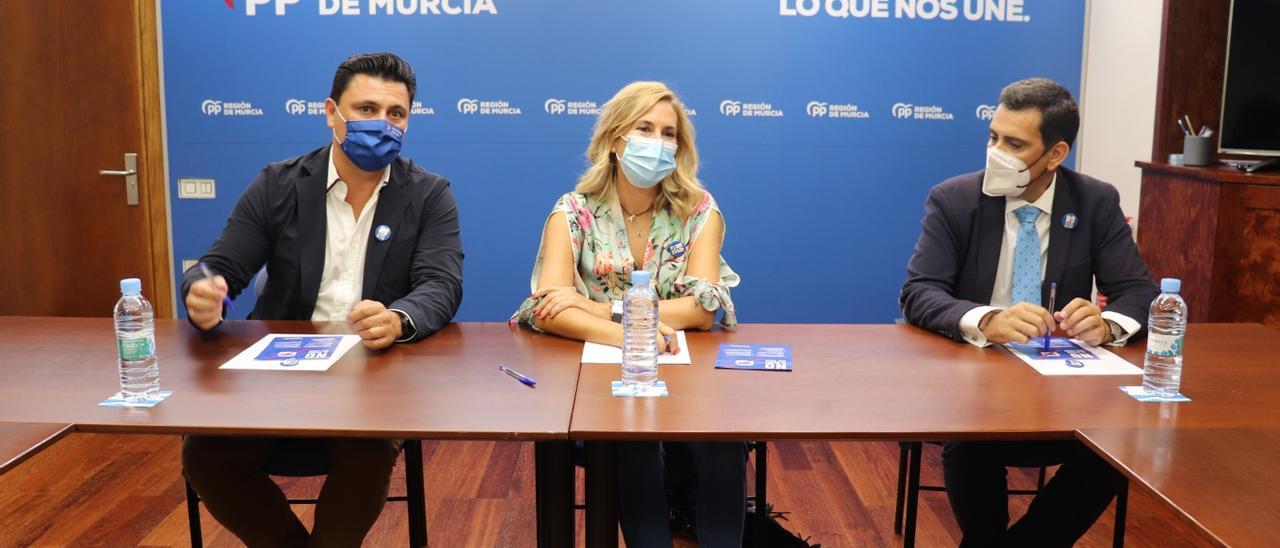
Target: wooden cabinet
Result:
[[1218, 230]]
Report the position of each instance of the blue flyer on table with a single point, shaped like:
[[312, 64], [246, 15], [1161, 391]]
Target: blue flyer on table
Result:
[[1059, 348], [304, 347], [758, 357]]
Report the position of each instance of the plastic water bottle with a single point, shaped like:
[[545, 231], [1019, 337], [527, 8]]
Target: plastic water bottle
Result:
[[640, 333], [136, 341], [1162, 367]]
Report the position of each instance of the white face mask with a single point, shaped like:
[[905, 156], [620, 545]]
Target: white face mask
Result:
[[1006, 175]]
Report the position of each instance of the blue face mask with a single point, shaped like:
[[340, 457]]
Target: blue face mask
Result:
[[371, 144], [647, 161]]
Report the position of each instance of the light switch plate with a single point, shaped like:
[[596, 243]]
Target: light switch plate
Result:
[[197, 189]]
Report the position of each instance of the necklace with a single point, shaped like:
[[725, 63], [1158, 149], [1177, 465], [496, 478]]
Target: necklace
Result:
[[631, 217]]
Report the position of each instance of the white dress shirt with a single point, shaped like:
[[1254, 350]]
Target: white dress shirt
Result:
[[1002, 292], [346, 240]]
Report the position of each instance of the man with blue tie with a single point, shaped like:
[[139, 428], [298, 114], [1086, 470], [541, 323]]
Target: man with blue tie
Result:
[[991, 243]]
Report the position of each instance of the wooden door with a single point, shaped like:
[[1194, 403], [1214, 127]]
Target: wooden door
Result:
[[79, 88]]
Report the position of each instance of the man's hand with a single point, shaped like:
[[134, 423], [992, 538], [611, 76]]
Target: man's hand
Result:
[[557, 299], [204, 302], [1018, 323], [378, 327], [1082, 320]]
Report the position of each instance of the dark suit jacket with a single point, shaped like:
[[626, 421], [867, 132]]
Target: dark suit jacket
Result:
[[280, 221], [953, 268]]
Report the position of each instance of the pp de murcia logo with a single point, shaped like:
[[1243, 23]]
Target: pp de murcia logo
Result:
[[558, 107], [985, 112], [819, 109], [211, 107], [377, 7], [908, 111], [303, 107], [418, 109], [729, 107], [470, 106]]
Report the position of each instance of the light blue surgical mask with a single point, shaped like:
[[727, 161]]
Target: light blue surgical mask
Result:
[[647, 161]]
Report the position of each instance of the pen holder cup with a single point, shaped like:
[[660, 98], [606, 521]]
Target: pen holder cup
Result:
[[1197, 151]]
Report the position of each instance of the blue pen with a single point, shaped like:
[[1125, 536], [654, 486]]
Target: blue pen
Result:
[[518, 376], [1053, 296], [226, 301]]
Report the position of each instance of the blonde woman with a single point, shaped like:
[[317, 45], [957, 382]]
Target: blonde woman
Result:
[[639, 205]]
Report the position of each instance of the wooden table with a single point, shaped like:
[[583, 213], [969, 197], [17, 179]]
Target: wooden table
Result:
[[444, 387], [19, 441], [893, 382], [1224, 481]]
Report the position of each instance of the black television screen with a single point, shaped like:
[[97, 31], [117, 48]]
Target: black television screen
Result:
[[1251, 93]]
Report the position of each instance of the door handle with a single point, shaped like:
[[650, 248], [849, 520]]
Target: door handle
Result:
[[130, 174]]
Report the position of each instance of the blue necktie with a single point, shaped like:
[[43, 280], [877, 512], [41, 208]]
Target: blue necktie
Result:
[[1026, 257]]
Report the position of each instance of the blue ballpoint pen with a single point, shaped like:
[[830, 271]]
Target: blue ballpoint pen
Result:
[[1053, 296], [226, 301], [518, 376]]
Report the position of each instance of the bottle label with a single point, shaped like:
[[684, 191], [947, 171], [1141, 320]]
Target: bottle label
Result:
[[134, 349], [1169, 346]]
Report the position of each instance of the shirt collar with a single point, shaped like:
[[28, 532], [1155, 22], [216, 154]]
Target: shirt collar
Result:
[[333, 172], [1043, 203]]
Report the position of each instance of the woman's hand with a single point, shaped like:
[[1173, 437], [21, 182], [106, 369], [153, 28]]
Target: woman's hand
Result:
[[668, 342], [557, 299]]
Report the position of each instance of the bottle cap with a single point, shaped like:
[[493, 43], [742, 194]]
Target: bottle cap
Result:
[[1170, 285], [640, 277], [131, 286]]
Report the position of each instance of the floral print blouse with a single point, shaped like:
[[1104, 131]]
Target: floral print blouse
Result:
[[604, 261]]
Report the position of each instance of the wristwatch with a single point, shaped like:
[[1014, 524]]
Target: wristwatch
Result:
[[407, 330], [616, 306], [1117, 332]]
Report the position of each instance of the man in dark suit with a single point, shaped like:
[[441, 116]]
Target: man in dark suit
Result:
[[991, 243], [350, 232]]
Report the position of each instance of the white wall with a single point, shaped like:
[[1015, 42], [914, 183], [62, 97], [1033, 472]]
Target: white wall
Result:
[[1119, 93]]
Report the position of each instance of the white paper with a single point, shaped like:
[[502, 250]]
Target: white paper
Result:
[[248, 358], [603, 353], [1101, 361]]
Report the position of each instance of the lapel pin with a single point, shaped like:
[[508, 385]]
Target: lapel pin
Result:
[[382, 233], [1069, 221], [676, 249]]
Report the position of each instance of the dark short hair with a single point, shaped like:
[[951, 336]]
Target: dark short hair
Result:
[[1059, 115], [387, 66]]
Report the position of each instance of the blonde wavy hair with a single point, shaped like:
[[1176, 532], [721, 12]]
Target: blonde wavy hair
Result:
[[680, 190]]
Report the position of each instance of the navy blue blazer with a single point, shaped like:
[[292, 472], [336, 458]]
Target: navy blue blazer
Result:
[[280, 222], [953, 268]]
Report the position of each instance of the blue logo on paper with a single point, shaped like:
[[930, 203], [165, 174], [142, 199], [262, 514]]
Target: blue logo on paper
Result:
[[382, 233]]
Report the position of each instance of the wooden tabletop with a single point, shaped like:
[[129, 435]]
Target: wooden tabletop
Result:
[[19, 441], [1224, 481], [444, 387], [902, 383]]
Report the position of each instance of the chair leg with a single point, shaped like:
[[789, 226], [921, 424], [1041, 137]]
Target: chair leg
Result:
[[193, 517], [1040, 480], [1122, 508], [902, 488], [913, 495], [416, 493], [762, 484]]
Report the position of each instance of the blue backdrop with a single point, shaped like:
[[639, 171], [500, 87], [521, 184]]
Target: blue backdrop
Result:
[[821, 124]]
